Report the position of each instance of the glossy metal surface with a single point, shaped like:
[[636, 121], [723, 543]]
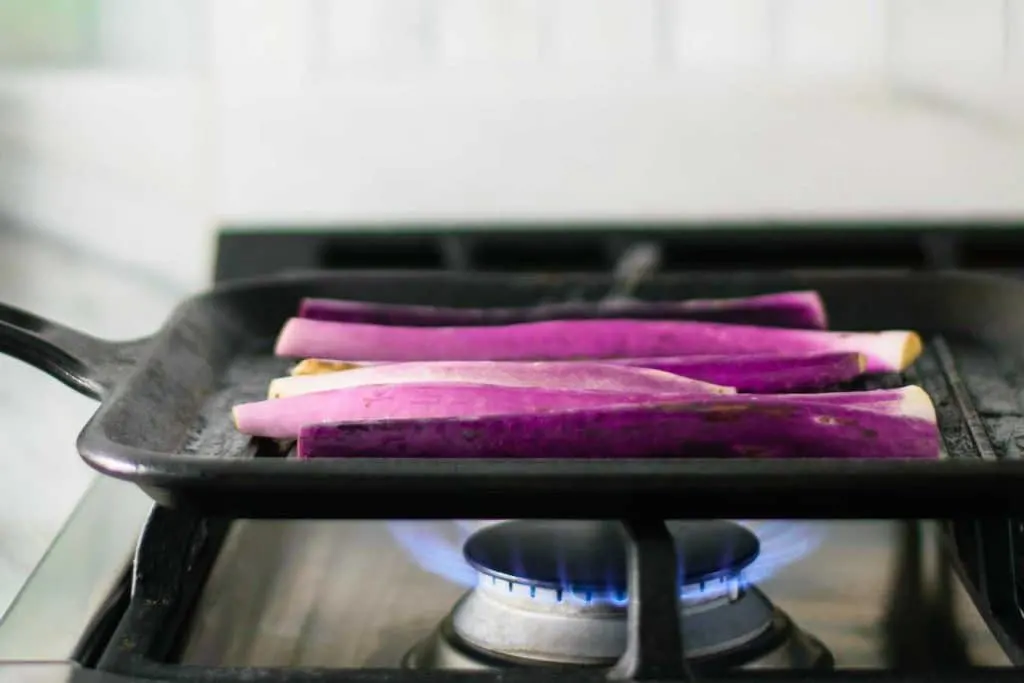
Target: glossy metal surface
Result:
[[41, 672], [345, 594], [79, 573], [56, 672], [781, 646], [555, 592], [496, 624]]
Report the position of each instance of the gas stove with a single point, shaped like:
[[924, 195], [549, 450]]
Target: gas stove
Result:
[[435, 595], [133, 592]]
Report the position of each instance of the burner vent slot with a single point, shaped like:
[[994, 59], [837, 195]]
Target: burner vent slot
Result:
[[543, 252], [765, 249], [387, 252], [1002, 250]]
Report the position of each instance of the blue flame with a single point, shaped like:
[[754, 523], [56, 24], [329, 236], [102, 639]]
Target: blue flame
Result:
[[436, 546], [782, 544]]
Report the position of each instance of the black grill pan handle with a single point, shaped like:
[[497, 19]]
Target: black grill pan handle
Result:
[[88, 365]]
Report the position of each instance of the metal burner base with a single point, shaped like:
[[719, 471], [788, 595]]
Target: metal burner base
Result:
[[783, 646]]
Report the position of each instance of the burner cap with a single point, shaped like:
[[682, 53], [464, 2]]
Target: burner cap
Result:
[[592, 555]]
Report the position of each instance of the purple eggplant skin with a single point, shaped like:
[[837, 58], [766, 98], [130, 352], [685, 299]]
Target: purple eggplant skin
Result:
[[283, 418], [889, 351], [725, 427], [801, 310], [761, 374]]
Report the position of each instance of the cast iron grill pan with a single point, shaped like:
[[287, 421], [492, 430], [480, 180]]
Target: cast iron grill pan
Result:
[[163, 421]]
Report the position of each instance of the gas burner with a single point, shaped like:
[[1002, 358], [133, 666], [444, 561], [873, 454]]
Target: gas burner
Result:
[[554, 593]]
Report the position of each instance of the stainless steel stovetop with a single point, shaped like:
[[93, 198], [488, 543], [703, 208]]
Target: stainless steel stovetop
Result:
[[357, 594], [350, 594]]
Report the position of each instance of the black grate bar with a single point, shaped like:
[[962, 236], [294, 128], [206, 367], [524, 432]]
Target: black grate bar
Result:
[[654, 645], [940, 347], [1008, 635], [175, 553], [996, 558], [998, 574]]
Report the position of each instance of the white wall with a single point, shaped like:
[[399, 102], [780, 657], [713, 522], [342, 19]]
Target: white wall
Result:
[[155, 36], [391, 109], [321, 111], [116, 163], [104, 130], [800, 36]]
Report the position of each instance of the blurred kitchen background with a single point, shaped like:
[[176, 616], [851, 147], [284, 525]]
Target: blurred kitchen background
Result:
[[134, 127], [132, 130]]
